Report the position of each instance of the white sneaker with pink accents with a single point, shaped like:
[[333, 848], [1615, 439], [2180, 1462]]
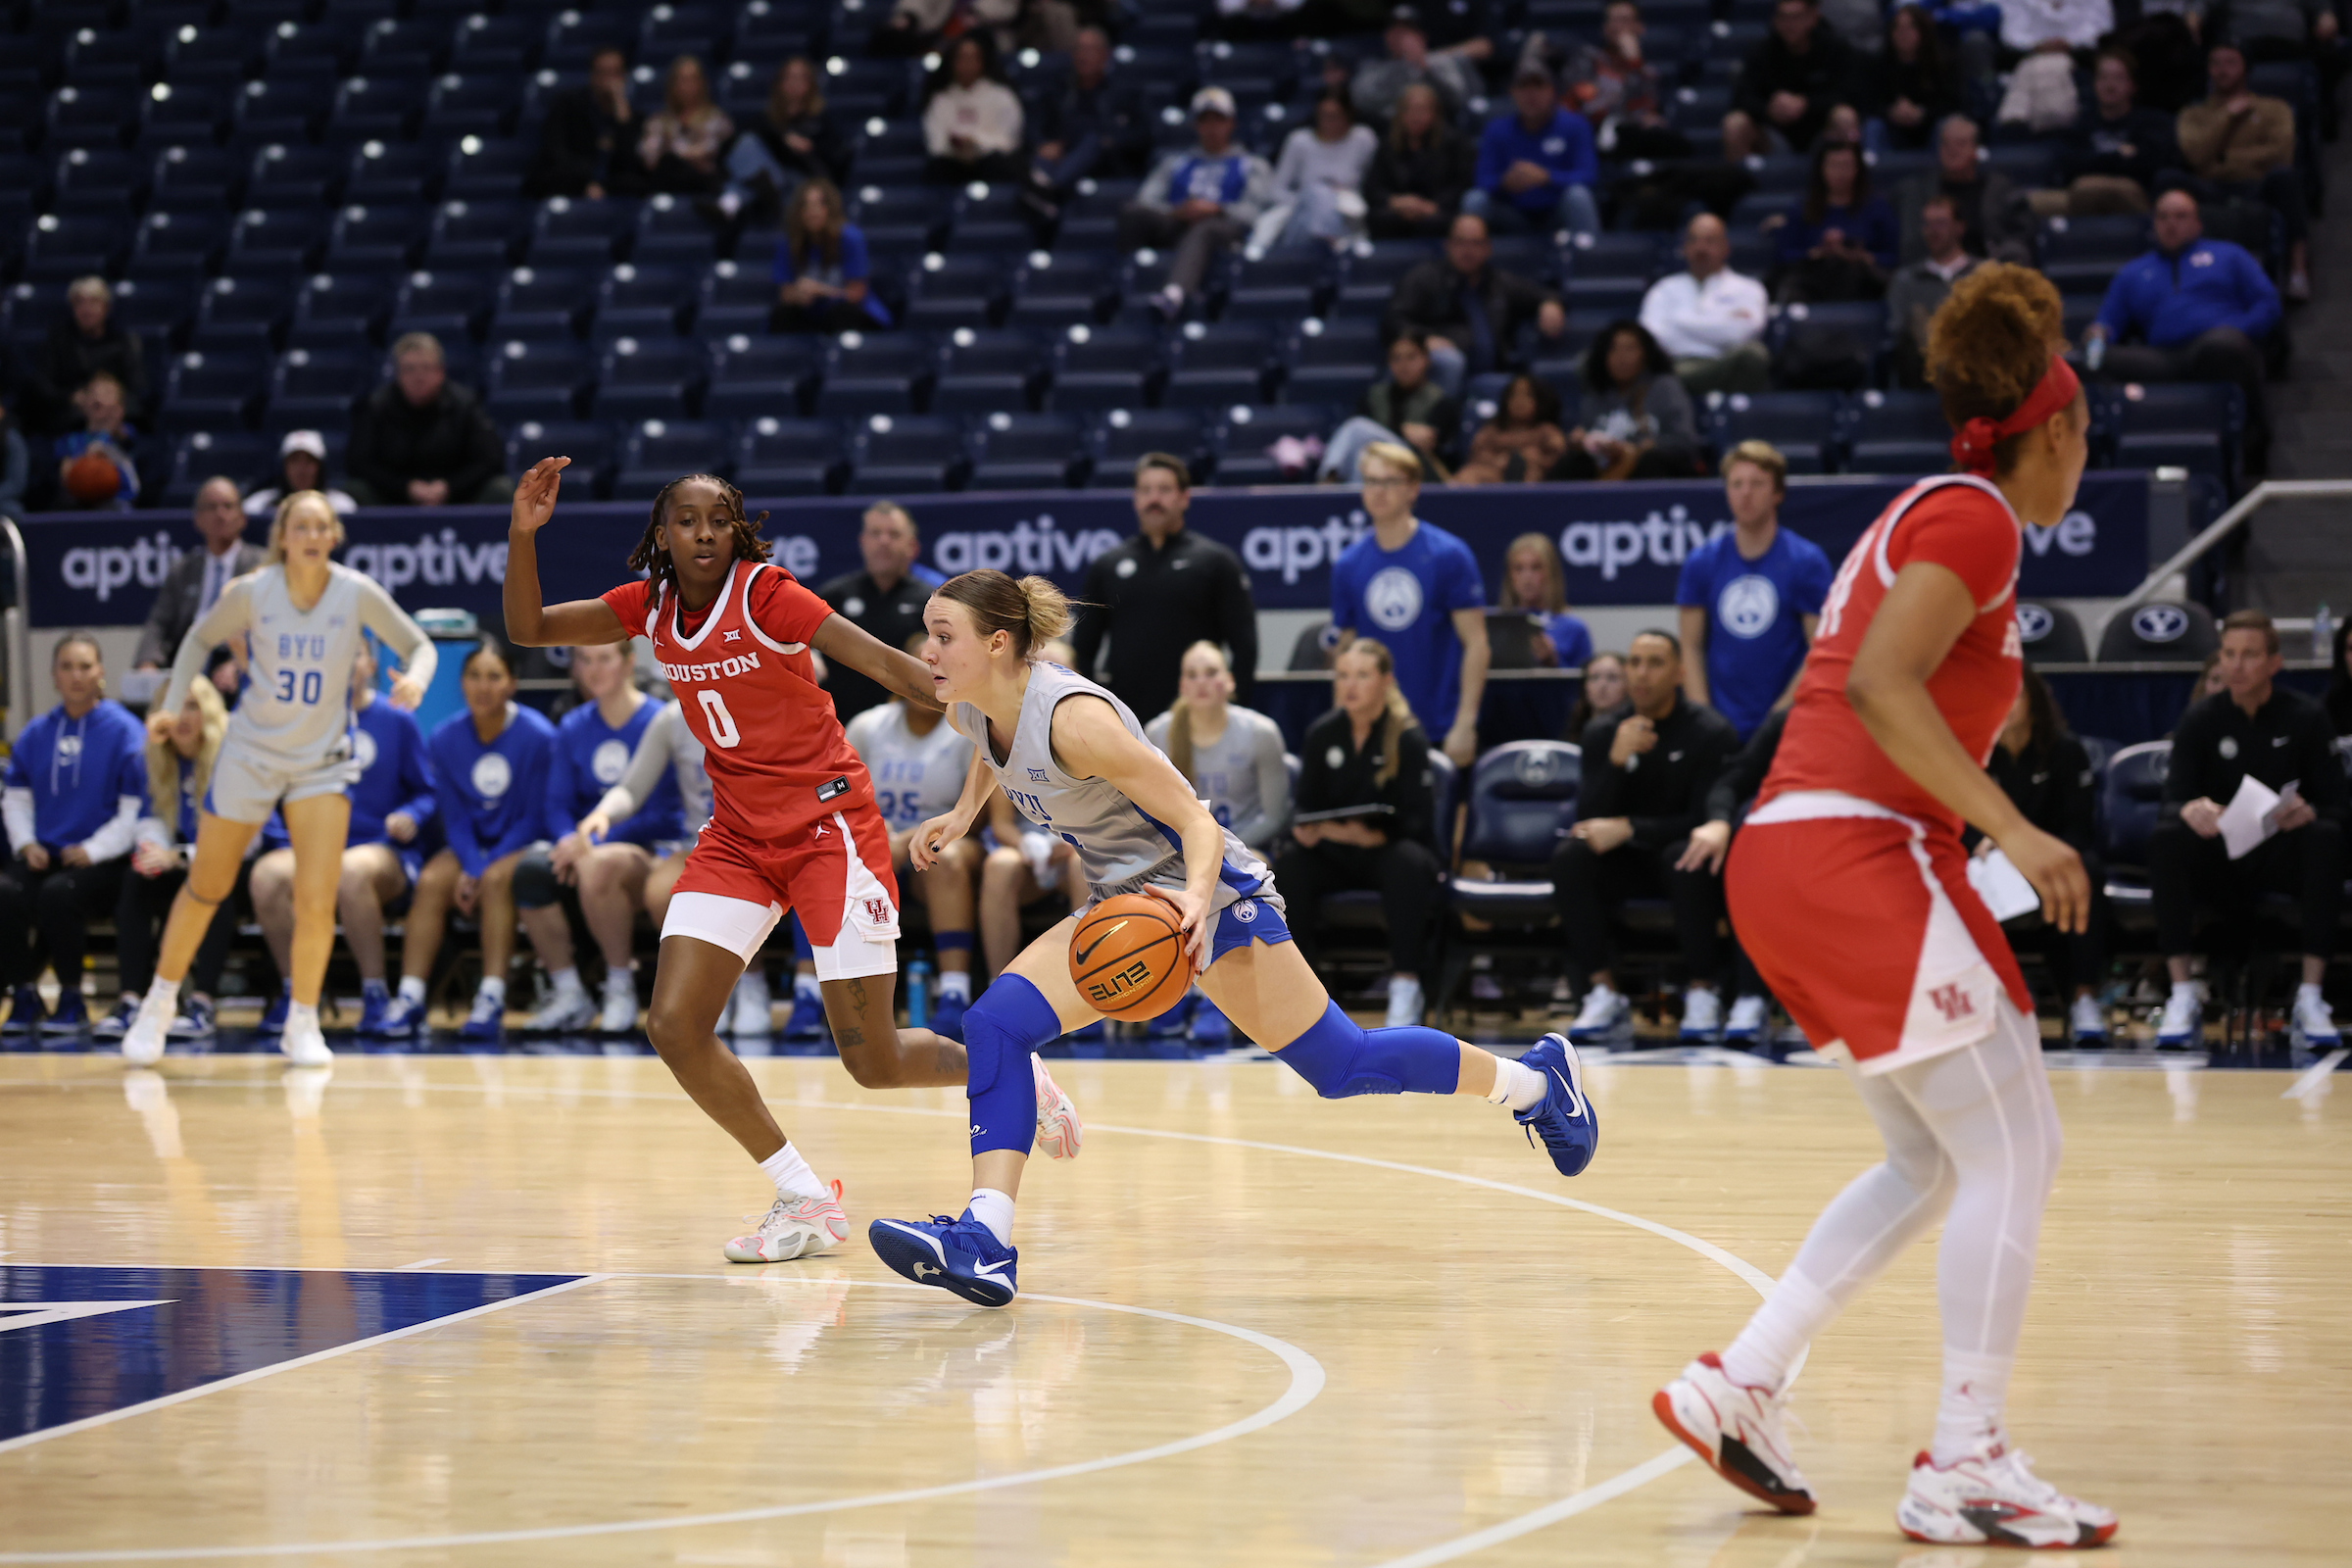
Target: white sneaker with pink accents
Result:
[[1737, 1428], [793, 1227], [1060, 1131]]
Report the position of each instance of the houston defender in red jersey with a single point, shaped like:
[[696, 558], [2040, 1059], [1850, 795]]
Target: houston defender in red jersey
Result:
[[794, 824], [1847, 884]]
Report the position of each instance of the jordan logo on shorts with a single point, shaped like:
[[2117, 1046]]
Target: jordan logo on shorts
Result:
[[1953, 1002]]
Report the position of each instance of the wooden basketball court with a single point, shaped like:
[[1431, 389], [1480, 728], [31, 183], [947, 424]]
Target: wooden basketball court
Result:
[[470, 1312]]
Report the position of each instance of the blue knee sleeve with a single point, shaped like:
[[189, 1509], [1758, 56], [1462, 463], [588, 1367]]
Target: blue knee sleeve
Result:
[[1341, 1058], [1011, 1018]]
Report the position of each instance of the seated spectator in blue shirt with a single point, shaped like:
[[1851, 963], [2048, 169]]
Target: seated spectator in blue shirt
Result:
[[823, 272], [2200, 308], [1536, 165], [1199, 201], [1840, 244], [76, 788], [1750, 597], [97, 467]]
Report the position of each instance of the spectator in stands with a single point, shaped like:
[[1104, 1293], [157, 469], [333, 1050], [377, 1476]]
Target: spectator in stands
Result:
[[197, 576], [85, 342], [604, 878], [2061, 27], [1992, 221], [1635, 421], [2282, 739], [490, 765], [1708, 317], [1320, 180], [2116, 151], [392, 805], [76, 789], [1735, 790], [915, 26], [301, 465], [1841, 243], [587, 146], [106, 441], [1420, 171], [1536, 580], [884, 599], [1916, 80], [2200, 310], [1407, 406], [1416, 589], [679, 148], [1159, 593], [1089, 124], [2240, 145], [1202, 201], [1367, 820], [1751, 598], [1787, 85], [179, 772], [793, 139], [1467, 309], [2339, 680], [1920, 289], [422, 440], [1646, 774], [823, 272], [1600, 695], [16, 464], [1536, 165], [1379, 85], [2047, 773], [972, 122], [1523, 443], [1621, 91]]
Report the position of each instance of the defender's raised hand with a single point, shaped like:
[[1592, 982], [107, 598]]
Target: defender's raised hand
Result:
[[535, 496]]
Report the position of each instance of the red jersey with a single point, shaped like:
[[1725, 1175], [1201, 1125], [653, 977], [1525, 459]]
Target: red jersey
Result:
[[1957, 521], [774, 750]]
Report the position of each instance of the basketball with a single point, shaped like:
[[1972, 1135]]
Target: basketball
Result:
[[1128, 958], [92, 477]]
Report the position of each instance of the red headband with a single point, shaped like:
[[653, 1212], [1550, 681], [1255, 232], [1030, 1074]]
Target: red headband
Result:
[[1972, 442]]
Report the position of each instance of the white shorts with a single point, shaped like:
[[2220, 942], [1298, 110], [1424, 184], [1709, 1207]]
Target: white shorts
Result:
[[246, 788], [742, 927]]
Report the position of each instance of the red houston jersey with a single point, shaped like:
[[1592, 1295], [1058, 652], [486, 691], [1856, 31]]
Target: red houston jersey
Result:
[[1957, 521], [776, 755]]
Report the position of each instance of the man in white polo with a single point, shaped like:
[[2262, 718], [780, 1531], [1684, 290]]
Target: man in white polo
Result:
[[1709, 318]]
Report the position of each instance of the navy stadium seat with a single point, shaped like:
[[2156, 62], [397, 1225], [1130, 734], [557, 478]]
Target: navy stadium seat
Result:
[[449, 305], [544, 379], [777, 457], [2162, 631], [657, 450], [1026, 451], [178, 244], [158, 309], [905, 454], [1802, 425], [641, 302], [991, 221], [184, 114], [203, 454], [1897, 432], [483, 168], [649, 378], [2050, 633], [758, 375], [1104, 366], [290, 175], [981, 368], [1218, 366], [247, 314], [734, 298], [478, 235], [333, 309], [90, 116], [374, 238], [876, 373], [2131, 802], [1115, 439], [1370, 269], [1064, 289], [390, 173], [64, 246], [97, 180], [315, 388], [960, 290], [391, 47], [212, 391], [578, 234], [590, 445], [540, 303], [1522, 796], [1280, 286], [669, 232], [1244, 433]]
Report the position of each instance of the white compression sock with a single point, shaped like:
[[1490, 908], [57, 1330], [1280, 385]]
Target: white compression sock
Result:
[[792, 1175], [619, 979], [567, 982], [1795, 1310], [957, 983], [301, 1018], [1516, 1085], [492, 990], [994, 1210], [412, 988], [1976, 1387], [163, 996]]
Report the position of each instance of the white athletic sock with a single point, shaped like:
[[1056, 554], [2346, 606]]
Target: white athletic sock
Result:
[[1975, 1389], [492, 991], [411, 989], [1516, 1085], [2308, 989], [994, 1210], [2186, 988], [617, 980], [792, 1175], [301, 1017], [957, 983], [567, 982], [163, 996], [1777, 1334], [808, 985]]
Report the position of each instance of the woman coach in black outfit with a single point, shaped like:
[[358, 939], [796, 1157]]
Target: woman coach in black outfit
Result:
[[1367, 753]]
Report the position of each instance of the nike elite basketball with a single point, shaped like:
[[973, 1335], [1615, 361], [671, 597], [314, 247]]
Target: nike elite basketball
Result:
[[1128, 959]]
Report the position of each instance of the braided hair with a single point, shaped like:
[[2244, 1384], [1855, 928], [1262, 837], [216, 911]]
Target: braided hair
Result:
[[653, 558]]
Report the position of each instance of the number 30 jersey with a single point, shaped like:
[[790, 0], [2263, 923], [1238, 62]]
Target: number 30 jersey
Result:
[[746, 687]]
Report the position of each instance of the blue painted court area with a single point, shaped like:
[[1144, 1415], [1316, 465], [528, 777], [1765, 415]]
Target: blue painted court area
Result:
[[76, 1343]]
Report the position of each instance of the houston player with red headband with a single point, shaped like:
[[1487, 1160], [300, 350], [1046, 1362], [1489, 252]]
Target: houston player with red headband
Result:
[[794, 823], [1849, 885]]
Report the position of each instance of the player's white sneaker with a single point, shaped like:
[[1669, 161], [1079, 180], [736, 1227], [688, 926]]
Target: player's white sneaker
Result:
[[303, 1046], [1060, 1131], [752, 1012], [2315, 1020], [1992, 1498], [1745, 1026], [1702, 1014], [1606, 1015], [2086, 1021], [143, 1041], [2182, 1025], [566, 1012], [1737, 1430], [793, 1227], [619, 1015]]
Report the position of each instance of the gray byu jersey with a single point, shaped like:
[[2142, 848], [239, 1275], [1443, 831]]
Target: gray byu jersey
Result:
[[1120, 848], [296, 708]]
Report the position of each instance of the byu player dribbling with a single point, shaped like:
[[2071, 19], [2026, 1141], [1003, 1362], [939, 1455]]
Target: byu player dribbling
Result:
[[288, 747], [1073, 760]]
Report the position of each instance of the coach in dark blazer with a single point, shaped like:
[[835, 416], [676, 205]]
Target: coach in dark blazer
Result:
[[197, 577]]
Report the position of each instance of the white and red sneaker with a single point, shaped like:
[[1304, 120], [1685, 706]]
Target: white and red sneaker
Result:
[[1992, 1498], [1737, 1428], [1060, 1131], [793, 1227]]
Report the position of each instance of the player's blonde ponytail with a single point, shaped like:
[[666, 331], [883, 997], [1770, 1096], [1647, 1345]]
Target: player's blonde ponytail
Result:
[[1049, 612], [1032, 612]]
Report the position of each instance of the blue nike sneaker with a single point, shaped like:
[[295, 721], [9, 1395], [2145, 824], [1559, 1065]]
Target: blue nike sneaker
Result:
[[273, 1022], [1177, 1021], [26, 1013], [808, 1021], [1563, 1118], [946, 1018], [374, 1002], [1210, 1026], [402, 1019], [955, 1254], [72, 1015]]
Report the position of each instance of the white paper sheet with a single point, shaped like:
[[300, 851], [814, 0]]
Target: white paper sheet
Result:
[[2251, 816], [2002, 886]]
